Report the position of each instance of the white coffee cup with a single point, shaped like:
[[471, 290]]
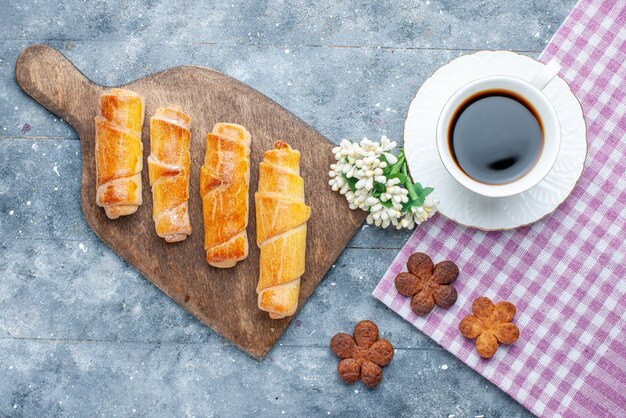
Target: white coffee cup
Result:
[[530, 91]]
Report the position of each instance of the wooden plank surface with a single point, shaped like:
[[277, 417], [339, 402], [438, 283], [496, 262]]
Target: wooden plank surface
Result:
[[224, 299]]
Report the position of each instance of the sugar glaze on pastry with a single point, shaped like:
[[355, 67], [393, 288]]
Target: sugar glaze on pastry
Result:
[[281, 217], [119, 152], [168, 165], [224, 182]]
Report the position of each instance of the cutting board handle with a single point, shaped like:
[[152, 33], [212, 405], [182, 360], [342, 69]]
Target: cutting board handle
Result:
[[52, 80]]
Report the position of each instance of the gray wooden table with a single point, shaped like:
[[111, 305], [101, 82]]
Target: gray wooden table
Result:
[[83, 334]]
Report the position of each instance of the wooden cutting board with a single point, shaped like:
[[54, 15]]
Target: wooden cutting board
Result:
[[224, 299]]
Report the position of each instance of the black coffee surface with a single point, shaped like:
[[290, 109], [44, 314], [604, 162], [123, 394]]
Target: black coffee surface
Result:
[[495, 137]]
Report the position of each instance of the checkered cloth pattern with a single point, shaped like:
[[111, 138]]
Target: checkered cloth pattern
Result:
[[566, 273]]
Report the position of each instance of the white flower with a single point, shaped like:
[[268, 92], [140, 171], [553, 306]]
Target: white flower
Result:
[[366, 162], [391, 158]]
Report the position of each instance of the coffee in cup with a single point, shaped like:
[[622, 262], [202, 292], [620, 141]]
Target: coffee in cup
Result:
[[495, 136], [500, 135]]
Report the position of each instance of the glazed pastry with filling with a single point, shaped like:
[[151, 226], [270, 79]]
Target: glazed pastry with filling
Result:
[[224, 181], [281, 217], [119, 152], [168, 165]]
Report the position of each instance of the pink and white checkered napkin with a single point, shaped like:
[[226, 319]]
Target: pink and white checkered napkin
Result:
[[567, 273]]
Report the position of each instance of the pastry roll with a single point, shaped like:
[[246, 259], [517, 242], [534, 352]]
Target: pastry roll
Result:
[[224, 181], [281, 217], [119, 152], [168, 165]]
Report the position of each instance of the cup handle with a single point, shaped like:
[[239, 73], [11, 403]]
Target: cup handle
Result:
[[549, 71]]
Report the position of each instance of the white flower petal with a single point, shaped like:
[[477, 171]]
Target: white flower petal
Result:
[[390, 157]]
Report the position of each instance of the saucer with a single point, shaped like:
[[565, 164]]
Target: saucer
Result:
[[466, 207]]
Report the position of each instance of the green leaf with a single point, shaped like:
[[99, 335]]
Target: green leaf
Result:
[[394, 169], [387, 204], [400, 176], [427, 191], [404, 169], [411, 190], [418, 188], [415, 202], [378, 189], [351, 182]]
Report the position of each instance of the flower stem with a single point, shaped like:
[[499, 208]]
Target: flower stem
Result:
[[409, 186]]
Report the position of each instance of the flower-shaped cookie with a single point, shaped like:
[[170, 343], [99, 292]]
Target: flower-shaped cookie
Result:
[[428, 284], [363, 355], [490, 324]]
